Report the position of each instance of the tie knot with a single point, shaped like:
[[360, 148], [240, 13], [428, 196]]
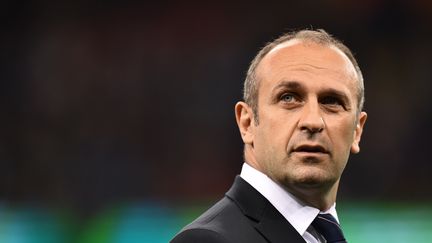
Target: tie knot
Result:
[[329, 228]]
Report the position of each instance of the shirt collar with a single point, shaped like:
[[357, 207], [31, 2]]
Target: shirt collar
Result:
[[299, 215]]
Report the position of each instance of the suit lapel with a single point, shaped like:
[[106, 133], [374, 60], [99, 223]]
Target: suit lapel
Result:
[[266, 219], [276, 228]]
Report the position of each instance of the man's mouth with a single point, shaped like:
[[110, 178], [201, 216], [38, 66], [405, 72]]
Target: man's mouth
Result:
[[309, 148]]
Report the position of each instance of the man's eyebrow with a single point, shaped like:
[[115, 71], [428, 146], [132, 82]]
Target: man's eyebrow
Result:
[[296, 86], [336, 93], [287, 84]]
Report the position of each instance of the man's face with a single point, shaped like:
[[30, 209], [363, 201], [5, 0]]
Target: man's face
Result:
[[308, 117]]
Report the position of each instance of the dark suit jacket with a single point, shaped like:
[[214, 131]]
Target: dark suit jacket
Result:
[[243, 215]]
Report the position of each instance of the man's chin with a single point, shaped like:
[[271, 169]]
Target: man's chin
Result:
[[314, 179], [312, 183]]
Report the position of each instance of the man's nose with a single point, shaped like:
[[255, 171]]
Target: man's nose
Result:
[[311, 120]]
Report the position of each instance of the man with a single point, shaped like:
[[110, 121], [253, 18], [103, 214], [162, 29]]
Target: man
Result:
[[301, 118]]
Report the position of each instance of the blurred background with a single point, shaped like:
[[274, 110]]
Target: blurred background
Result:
[[118, 122]]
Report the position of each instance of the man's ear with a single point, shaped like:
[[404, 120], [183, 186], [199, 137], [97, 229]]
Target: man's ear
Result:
[[245, 121], [355, 147]]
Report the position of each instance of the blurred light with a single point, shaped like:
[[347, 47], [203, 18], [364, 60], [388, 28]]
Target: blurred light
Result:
[[152, 222], [32, 225]]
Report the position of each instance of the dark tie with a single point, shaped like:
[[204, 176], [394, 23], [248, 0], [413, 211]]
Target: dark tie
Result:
[[328, 227]]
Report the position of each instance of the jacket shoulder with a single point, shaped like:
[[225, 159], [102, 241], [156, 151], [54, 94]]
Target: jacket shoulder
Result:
[[196, 235], [224, 222]]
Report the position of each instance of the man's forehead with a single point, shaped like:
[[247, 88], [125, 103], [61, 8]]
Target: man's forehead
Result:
[[296, 49], [285, 44], [302, 45]]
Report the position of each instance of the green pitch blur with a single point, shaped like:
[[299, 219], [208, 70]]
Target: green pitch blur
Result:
[[154, 222]]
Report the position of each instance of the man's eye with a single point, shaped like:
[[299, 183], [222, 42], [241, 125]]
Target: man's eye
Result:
[[287, 98], [333, 101]]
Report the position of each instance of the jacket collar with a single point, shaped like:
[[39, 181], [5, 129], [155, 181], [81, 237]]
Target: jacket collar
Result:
[[267, 220]]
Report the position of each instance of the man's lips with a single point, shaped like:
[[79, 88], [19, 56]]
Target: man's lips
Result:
[[310, 148]]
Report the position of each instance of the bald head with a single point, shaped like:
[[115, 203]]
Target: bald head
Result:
[[318, 37]]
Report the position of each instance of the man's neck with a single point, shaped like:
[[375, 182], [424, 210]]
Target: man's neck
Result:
[[320, 198]]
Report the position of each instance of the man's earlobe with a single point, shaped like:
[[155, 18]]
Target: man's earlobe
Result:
[[355, 147], [244, 118]]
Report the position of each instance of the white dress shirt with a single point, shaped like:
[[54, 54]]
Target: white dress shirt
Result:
[[299, 215]]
